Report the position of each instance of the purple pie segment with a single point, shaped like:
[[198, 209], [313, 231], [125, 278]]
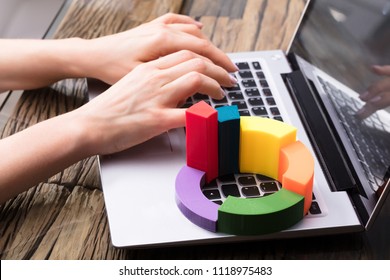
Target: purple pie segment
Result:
[[191, 201]]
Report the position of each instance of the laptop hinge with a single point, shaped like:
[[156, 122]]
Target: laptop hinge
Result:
[[326, 147]]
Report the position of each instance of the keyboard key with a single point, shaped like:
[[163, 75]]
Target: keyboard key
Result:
[[235, 95], [244, 113], [270, 101], [199, 96], [230, 189], [249, 83], [259, 111], [269, 187], [251, 92], [227, 178], [212, 194], [219, 202], [256, 101], [275, 111], [250, 191], [243, 65], [278, 118], [256, 65], [247, 181], [267, 92], [264, 83], [187, 105], [234, 88], [245, 74], [240, 104], [315, 208], [219, 101], [260, 75], [221, 105], [261, 177], [211, 185]]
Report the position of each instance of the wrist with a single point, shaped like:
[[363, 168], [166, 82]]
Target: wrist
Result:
[[72, 57], [80, 137]]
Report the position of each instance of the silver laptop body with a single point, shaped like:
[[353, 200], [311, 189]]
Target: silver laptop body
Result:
[[139, 183]]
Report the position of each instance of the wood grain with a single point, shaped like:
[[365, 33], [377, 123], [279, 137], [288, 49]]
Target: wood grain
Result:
[[64, 218]]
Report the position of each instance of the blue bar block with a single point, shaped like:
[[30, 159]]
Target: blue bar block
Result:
[[228, 140]]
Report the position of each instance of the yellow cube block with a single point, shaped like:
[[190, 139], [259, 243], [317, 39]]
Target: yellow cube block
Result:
[[260, 142]]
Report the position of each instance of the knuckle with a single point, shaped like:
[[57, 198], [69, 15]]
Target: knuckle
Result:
[[162, 34], [186, 54], [169, 16], [195, 79], [199, 64], [204, 44]]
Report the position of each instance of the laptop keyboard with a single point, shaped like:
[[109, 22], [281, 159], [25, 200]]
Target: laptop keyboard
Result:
[[252, 94], [372, 150], [253, 97]]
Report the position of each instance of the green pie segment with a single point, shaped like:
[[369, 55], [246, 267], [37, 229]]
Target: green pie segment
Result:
[[260, 215]]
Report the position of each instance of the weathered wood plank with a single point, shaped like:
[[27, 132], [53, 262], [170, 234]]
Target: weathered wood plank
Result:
[[64, 218], [91, 19], [258, 24], [278, 25], [26, 220], [79, 231], [215, 8]]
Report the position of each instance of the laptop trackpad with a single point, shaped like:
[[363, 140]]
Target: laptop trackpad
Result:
[[162, 146]]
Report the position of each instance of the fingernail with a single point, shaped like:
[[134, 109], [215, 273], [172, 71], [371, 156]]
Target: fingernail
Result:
[[199, 24], [375, 99], [233, 80], [223, 94], [361, 113]]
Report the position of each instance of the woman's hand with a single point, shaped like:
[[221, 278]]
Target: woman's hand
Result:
[[29, 64], [111, 57], [377, 95], [144, 103]]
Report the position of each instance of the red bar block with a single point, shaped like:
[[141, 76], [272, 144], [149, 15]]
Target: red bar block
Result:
[[202, 139]]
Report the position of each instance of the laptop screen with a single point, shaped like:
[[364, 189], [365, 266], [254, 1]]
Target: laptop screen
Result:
[[346, 39]]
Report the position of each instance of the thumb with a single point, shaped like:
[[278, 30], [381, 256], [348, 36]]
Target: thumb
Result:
[[174, 118]]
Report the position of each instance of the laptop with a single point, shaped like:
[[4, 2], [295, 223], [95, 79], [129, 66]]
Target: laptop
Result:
[[314, 87]]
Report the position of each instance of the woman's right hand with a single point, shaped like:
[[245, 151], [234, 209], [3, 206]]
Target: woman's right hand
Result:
[[144, 103], [377, 95]]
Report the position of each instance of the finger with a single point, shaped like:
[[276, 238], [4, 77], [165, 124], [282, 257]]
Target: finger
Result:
[[366, 111], [203, 47], [189, 84], [189, 29], [380, 101], [176, 58], [201, 66], [170, 18], [381, 69], [376, 88], [173, 118]]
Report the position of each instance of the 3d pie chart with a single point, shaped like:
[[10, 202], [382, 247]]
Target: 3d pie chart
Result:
[[220, 142]]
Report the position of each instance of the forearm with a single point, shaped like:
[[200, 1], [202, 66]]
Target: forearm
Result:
[[40, 151], [28, 64]]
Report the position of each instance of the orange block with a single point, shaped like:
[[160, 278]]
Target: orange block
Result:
[[296, 171]]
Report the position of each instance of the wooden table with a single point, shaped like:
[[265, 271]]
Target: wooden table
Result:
[[64, 217]]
